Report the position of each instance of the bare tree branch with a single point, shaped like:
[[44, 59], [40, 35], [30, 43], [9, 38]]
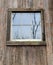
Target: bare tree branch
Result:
[[37, 28], [14, 16], [35, 19], [35, 25]]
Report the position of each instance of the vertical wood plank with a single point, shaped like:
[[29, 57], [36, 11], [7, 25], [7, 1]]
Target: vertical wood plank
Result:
[[20, 55], [27, 3], [30, 3], [24, 3], [20, 3]]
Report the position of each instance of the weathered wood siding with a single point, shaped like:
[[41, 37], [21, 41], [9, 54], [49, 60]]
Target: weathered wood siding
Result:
[[50, 44], [26, 55]]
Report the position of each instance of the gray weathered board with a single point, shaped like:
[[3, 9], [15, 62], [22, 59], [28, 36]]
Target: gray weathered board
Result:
[[26, 55]]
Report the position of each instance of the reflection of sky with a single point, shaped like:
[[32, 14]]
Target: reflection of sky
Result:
[[25, 31], [22, 31]]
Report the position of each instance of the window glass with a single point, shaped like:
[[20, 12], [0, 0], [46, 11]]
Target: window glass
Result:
[[26, 26]]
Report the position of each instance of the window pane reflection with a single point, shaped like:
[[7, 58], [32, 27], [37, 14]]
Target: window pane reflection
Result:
[[26, 26]]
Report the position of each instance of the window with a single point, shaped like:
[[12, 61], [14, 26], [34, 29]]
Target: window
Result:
[[25, 26]]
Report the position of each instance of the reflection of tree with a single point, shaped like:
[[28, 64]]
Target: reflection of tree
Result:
[[16, 35], [35, 27], [14, 16], [34, 30]]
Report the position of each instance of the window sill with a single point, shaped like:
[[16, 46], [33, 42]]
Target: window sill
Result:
[[38, 43]]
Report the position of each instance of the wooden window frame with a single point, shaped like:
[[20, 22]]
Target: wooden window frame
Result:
[[25, 42]]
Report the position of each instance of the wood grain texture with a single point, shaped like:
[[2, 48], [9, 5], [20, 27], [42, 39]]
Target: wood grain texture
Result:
[[26, 55]]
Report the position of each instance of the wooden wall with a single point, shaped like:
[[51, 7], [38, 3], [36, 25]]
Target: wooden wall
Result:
[[26, 55], [50, 45]]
